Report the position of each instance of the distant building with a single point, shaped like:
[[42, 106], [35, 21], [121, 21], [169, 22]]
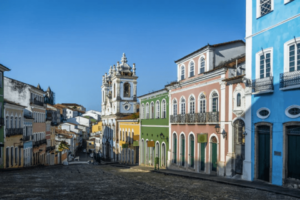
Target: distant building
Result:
[[49, 97]]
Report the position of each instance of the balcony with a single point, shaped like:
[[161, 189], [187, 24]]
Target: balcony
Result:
[[14, 131], [26, 138], [36, 102], [51, 148], [290, 80], [43, 141], [40, 142], [195, 118], [263, 85]]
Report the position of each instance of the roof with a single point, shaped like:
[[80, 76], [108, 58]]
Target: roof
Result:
[[152, 92], [13, 103], [132, 116], [208, 45], [71, 104], [230, 63], [71, 123], [4, 68], [26, 84]]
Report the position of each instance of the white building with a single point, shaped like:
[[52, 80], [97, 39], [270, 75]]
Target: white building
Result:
[[94, 114]]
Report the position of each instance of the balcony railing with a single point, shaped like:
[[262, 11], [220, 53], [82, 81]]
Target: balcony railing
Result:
[[26, 138], [208, 117], [39, 142], [263, 84], [14, 131], [50, 148], [289, 79], [36, 102]]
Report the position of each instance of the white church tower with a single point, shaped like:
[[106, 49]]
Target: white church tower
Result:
[[119, 91]]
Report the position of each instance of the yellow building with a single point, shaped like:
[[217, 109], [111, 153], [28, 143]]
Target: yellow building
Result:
[[13, 141], [97, 127], [128, 137]]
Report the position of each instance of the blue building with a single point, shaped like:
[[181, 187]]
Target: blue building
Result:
[[273, 93]]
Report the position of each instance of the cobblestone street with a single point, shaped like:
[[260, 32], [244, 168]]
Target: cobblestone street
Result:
[[107, 182]]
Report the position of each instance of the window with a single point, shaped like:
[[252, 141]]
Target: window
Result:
[[157, 109], [152, 110], [202, 65], [192, 69], [11, 122], [182, 72], [16, 157], [147, 111], [192, 105], [174, 107], [182, 103], [293, 111], [265, 65], [202, 103], [163, 107], [20, 126], [7, 122], [263, 113], [265, 7], [12, 156], [294, 57], [215, 102], [126, 90], [238, 100], [142, 112]]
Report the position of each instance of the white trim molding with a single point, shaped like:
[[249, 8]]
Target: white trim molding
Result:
[[257, 61], [288, 114], [260, 116]]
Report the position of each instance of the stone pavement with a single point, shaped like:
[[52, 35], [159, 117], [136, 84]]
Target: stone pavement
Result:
[[108, 182]]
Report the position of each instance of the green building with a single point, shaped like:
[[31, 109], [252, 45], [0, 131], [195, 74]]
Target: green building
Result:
[[2, 70], [154, 137]]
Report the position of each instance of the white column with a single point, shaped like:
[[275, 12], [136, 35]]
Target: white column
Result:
[[222, 127]]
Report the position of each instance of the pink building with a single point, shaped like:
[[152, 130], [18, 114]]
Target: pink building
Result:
[[207, 105]]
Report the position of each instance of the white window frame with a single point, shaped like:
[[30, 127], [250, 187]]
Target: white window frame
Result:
[[163, 109], [180, 71], [147, 110], [173, 106], [189, 69], [257, 62], [189, 104], [260, 116], [199, 64], [181, 106], [199, 103], [157, 109], [211, 101], [152, 108], [142, 112], [287, 52], [288, 114], [258, 9]]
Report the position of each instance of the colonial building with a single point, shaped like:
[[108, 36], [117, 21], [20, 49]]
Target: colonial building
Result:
[[49, 97], [202, 109], [32, 98], [13, 141], [118, 100], [154, 116], [273, 68], [129, 133], [2, 70]]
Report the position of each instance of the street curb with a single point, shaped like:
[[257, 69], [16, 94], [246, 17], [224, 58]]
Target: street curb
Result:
[[230, 183], [22, 168]]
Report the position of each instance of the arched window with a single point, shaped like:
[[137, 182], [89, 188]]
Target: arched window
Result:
[[202, 65], [182, 104], [11, 122], [163, 107], [147, 111], [152, 110], [114, 90], [215, 102], [238, 100], [192, 69], [142, 111], [16, 122], [182, 72], [202, 103], [7, 122], [157, 109], [192, 105], [126, 90], [174, 107]]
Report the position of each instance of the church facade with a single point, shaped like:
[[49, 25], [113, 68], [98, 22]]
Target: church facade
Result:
[[119, 89]]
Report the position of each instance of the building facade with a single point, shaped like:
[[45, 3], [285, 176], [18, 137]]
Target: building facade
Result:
[[2, 127], [154, 116], [273, 68], [129, 133], [202, 110], [119, 90]]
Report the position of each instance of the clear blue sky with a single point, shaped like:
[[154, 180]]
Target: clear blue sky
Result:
[[69, 44]]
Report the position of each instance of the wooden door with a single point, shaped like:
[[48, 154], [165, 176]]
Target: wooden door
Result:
[[239, 142], [192, 151], [214, 157], [175, 150], [182, 150], [264, 153], [202, 158], [137, 154], [293, 160]]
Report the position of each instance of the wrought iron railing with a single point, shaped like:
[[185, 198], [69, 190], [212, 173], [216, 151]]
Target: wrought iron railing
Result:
[[14, 131], [26, 138], [195, 118], [50, 148], [43, 141], [36, 102], [289, 79], [263, 84]]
